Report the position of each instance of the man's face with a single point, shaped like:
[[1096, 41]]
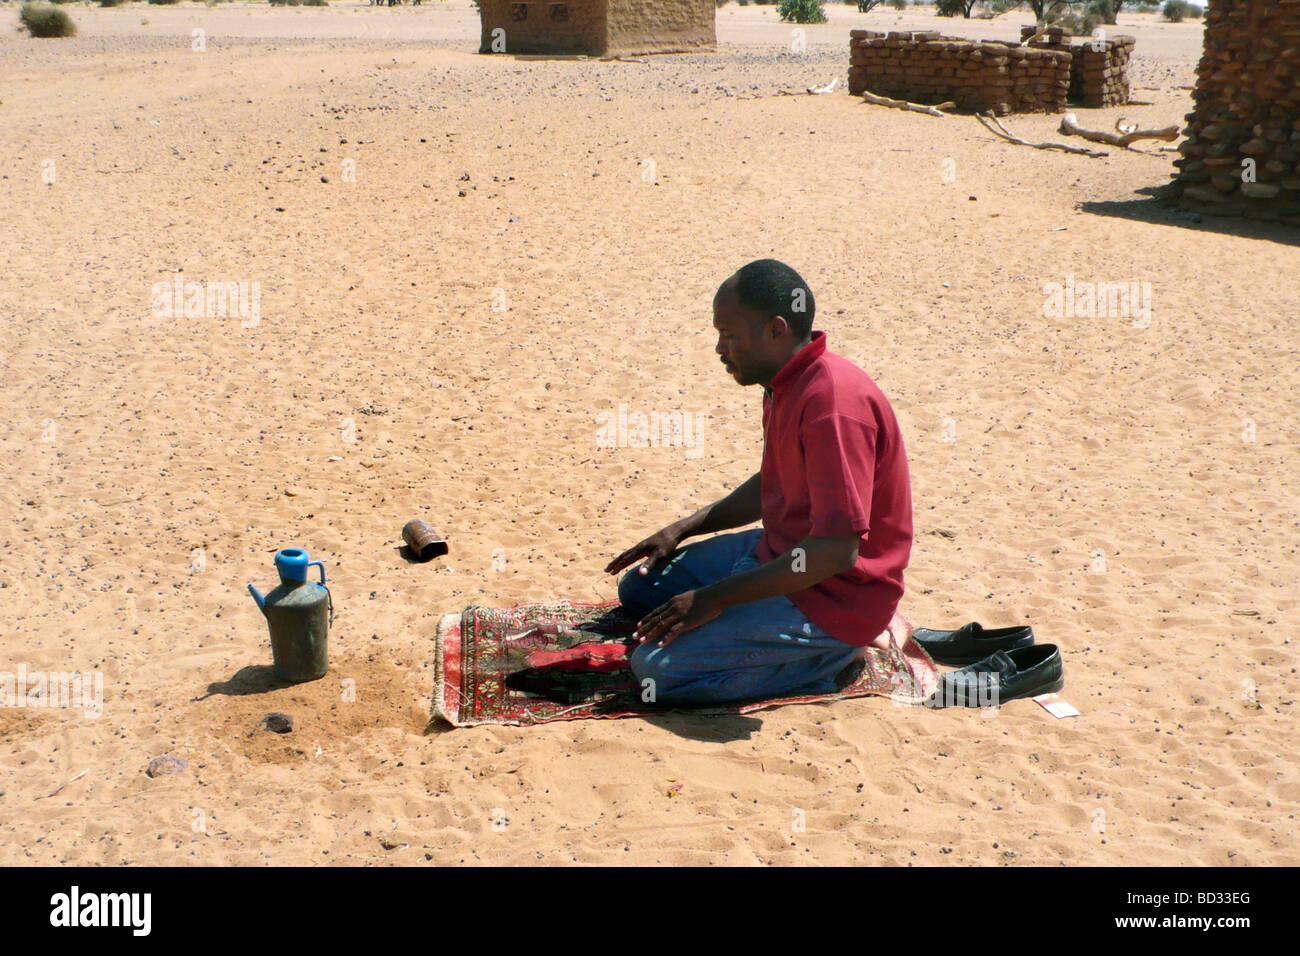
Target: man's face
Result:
[[743, 342]]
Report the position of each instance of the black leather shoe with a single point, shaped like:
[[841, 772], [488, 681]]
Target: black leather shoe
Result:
[[1002, 676], [971, 643]]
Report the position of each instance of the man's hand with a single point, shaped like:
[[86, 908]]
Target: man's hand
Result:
[[654, 549], [687, 610]]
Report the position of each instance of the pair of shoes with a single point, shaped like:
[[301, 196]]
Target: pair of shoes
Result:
[[1002, 676], [971, 643]]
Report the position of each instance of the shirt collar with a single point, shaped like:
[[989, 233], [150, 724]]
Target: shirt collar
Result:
[[800, 361]]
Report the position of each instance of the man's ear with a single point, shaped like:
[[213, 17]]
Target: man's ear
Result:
[[779, 326]]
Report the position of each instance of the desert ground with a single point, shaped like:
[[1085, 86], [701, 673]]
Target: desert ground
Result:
[[464, 260]]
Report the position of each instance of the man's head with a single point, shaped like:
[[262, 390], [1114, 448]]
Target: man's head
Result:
[[763, 314]]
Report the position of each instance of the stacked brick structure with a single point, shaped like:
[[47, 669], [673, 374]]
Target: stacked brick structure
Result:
[[597, 27], [1099, 76], [975, 74], [1099, 68], [1242, 152]]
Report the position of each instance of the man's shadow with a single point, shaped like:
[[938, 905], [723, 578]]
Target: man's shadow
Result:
[[710, 727], [574, 687]]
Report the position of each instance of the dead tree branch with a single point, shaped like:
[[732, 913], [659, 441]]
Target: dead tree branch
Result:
[[1123, 138], [878, 100], [990, 122]]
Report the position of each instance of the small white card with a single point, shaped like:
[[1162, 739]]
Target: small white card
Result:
[[1058, 708]]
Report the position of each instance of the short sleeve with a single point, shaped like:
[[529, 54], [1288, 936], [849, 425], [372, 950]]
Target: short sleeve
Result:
[[840, 464]]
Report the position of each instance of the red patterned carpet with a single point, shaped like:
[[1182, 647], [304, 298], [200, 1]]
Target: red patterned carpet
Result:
[[540, 662]]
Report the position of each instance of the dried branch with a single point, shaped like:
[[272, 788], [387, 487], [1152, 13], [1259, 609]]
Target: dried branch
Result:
[[878, 100], [811, 90], [1042, 30], [1125, 136], [990, 122], [59, 790]]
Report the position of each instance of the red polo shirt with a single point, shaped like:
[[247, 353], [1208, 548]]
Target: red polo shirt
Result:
[[834, 465]]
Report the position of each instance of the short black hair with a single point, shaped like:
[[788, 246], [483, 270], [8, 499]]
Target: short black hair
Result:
[[773, 288]]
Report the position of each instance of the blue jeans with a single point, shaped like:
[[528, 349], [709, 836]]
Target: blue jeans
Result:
[[765, 648]]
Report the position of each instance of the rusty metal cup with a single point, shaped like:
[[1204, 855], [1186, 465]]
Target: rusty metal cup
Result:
[[425, 543]]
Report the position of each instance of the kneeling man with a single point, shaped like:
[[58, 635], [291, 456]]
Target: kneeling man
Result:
[[785, 609]]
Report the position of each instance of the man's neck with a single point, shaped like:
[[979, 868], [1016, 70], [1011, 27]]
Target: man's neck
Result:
[[767, 381]]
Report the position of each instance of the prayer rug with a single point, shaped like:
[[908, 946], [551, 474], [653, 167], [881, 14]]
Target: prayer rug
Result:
[[535, 663]]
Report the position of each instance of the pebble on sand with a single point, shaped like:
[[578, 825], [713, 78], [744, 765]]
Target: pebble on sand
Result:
[[166, 764], [278, 723]]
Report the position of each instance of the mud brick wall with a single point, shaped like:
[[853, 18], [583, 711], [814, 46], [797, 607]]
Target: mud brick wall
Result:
[[660, 26], [1098, 69], [925, 67], [1247, 106], [1099, 72], [541, 26], [598, 27]]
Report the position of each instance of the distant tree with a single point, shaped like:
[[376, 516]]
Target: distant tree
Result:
[[1102, 10], [802, 11], [1048, 10], [950, 8]]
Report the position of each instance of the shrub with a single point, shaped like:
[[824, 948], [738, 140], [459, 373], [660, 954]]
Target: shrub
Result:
[[43, 20], [1175, 10], [1104, 10], [164, 1], [315, 3], [952, 8], [802, 11], [1194, 11], [110, 3], [898, 4]]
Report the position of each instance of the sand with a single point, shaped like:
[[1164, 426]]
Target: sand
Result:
[[525, 244]]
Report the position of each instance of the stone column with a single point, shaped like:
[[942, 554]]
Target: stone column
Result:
[[1242, 153]]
